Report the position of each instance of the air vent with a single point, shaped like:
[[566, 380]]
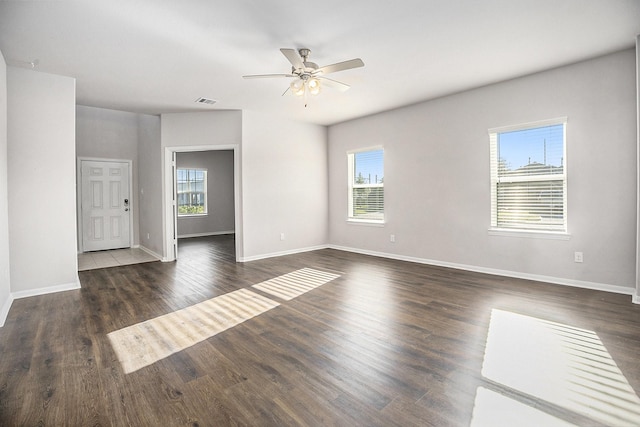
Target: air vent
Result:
[[205, 101]]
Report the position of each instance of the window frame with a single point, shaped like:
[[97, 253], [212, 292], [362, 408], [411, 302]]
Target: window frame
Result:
[[351, 185], [522, 229], [205, 193]]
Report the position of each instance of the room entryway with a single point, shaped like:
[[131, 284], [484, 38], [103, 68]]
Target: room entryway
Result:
[[105, 207], [113, 258], [171, 188]]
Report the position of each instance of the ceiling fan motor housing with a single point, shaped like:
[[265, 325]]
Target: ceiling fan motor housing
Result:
[[304, 53]]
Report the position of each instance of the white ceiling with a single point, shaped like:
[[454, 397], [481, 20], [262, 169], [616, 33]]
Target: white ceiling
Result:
[[160, 56]]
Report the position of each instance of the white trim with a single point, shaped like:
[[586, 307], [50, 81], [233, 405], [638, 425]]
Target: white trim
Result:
[[636, 298], [282, 253], [150, 252], [132, 198], [210, 233], [506, 273], [529, 125], [531, 234], [47, 290], [4, 312], [536, 277], [168, 225], [366, 222], [496, 178], [351, 185], [371, 148]]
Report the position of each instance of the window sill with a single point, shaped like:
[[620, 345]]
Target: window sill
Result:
[[366, 222], [533, 234], [192, 215]]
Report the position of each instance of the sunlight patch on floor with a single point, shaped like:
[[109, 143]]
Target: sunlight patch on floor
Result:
[[294, 284], [145, 343], [142, 344], [565, 366], [492, 409]]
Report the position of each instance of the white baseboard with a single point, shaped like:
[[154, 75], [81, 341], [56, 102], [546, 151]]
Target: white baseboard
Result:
[[211, 233], [5, 310], [539, 278], [47, 290], [277, 254], [150, 252]]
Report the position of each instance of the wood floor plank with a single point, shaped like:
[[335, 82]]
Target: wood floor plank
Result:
[[387, 343]]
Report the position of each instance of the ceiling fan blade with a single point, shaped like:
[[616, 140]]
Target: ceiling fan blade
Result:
[[342, 87], [293, 57], [340, 66], [262, 76]]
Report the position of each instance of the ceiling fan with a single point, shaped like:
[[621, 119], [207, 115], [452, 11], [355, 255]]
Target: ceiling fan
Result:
[[307, 75]]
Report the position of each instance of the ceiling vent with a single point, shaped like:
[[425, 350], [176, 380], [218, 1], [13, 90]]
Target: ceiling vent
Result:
[[205, 101]]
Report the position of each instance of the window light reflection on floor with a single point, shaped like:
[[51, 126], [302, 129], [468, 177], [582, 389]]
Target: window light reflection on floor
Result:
[[565, 366], [144, 343], [296, 283], [492, 409]]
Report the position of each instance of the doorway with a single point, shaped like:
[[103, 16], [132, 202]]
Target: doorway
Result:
[[170, 191], [104, 196]]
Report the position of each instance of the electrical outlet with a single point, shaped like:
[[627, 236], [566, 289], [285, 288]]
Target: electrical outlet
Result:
[[577, 257], [392, 238], [281, 236]]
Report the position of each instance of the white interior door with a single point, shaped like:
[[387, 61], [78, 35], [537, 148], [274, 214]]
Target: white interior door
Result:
[[106, 205]]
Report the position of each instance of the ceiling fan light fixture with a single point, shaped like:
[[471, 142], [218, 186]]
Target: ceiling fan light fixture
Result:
[[297, 87], [314, 86]]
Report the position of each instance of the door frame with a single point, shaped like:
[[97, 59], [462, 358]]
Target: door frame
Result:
[[169, 206], [132, 198]]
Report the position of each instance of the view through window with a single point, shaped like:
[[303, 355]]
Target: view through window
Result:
[[366, 185], [528, 177], [192, 191]]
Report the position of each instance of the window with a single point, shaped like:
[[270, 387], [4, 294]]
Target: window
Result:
[[528, 177], [192, 191], [366, 186]]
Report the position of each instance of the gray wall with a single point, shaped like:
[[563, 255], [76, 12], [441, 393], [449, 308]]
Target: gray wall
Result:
[[437, 198], [284, 185], [187, 132], [283, 176], [436, 176], [150, 183], [5, 282], [42, 182], [110, 134], [220, 204]]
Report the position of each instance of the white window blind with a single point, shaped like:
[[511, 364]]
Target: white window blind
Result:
[[366, 185], [528, 177]]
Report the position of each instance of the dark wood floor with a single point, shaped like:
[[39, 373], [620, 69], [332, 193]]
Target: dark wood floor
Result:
[[388, 343]]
